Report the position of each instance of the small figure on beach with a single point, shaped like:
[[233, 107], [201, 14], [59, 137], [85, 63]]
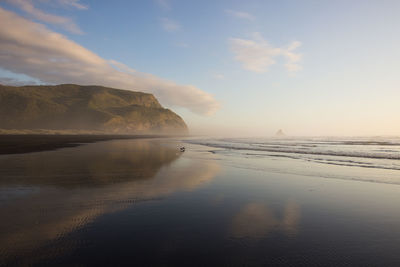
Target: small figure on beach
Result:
[[182, 149]]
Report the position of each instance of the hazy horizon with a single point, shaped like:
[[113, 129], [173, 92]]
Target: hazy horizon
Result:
[[228, 68]]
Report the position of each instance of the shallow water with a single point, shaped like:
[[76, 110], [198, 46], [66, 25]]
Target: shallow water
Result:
[[375, 159], [142, 202]]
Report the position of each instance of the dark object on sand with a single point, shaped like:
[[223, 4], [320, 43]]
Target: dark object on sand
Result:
[[182, 149]]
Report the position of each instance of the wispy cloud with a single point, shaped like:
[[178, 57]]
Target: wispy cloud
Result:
[[164, 4], [219, 76], [64, 22], [258, 55], [73, 3], [292, 57], [182, 45], [32, 49], [170, 25], [121, 67], [240, 14]]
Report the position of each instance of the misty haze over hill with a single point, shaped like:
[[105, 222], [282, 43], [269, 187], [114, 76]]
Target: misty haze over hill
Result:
[[85, 108]]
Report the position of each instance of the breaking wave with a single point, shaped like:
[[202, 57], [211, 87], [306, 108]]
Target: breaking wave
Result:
[[383, 153]]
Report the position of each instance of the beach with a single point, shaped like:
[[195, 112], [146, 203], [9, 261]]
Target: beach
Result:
[[143, 202], [25, 143]]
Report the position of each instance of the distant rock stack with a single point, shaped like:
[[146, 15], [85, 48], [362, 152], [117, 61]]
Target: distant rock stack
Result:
[[280, 133]]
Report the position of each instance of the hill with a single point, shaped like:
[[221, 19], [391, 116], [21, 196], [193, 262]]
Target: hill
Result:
[[85, 108]]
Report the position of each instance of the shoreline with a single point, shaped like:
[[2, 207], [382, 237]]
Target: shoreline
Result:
[[27, 143]]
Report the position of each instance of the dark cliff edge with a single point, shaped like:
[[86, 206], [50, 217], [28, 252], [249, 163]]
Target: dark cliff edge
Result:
[[84, 109]]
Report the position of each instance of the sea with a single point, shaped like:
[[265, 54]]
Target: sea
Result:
[[373, 159]]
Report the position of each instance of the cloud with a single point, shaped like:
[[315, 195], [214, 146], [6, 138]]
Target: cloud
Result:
[[30, 48], [164, 4], [219, 76], [258, 55], [182, 45], [293, 58], [170, 25], [73, 3], [240, 15], [122, 67], [64, 22]]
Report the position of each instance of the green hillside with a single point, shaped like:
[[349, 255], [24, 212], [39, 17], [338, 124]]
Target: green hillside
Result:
[[87, 108]]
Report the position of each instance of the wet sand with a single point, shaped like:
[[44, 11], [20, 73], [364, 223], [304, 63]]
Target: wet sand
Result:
[[142, 202], [25, 143]]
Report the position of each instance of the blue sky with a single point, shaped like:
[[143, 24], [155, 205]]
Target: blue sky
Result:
[[308, 67]]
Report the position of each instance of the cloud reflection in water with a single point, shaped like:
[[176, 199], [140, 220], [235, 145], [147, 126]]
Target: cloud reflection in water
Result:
[[257, 220], [73, 187]]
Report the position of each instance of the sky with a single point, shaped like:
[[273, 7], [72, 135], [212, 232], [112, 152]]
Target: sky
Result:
[[231, 68]]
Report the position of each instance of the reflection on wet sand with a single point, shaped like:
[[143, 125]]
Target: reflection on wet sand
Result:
[[256, 220], [90, 165], [70, 188]]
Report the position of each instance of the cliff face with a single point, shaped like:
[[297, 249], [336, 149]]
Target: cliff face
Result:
[[91, 108]]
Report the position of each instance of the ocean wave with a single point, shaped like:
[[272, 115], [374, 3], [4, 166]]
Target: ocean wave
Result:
[[331, 150]]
